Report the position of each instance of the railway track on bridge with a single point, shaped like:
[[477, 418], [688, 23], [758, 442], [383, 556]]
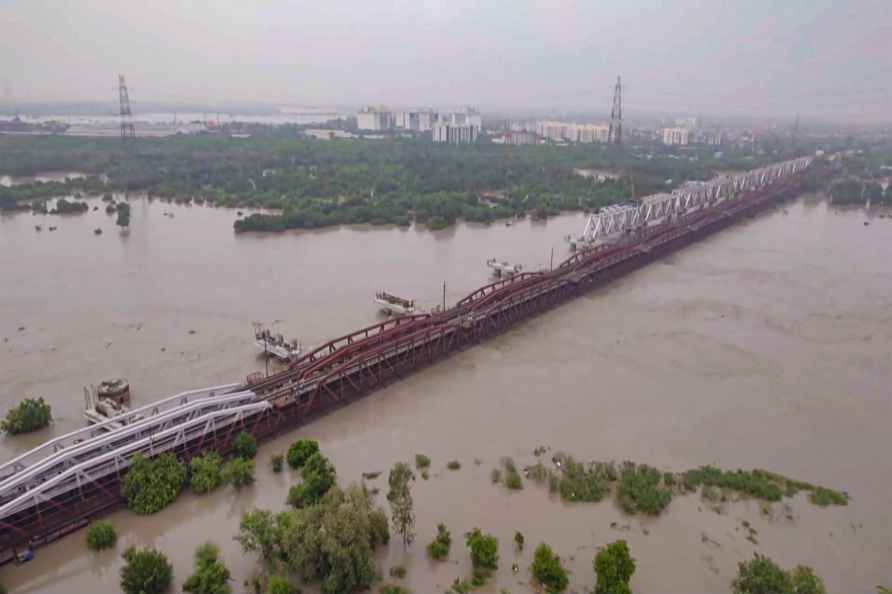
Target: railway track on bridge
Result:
[[63, 484]]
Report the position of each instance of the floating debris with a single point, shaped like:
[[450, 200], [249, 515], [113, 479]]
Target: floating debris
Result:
[[97, 231]]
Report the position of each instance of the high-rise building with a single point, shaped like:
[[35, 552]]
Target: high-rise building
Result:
[[455, 134], [676, 136]]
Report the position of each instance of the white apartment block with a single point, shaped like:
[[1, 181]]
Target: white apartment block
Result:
[[676, 136], [455, 134], [571, 132], [374, 118]]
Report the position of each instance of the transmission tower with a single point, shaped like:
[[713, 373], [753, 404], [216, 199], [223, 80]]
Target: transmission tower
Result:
[[615, 132], [127, 130]]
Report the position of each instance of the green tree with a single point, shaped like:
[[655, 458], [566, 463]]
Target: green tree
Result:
[[761, 575], [804, 581], [244, 446], [259, 533], [318, 477], [614, 567], [438, 549], [30, 415], [300, 451], [334, 540], [146, 571], [152, 484], [484, 549], [101, 535], [547, 569], [400, 498], [205, 473], [518, 540], [211, 576], [238, 472]]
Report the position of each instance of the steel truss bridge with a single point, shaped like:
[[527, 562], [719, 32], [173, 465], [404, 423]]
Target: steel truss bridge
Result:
[[61, 485], [612, 221]]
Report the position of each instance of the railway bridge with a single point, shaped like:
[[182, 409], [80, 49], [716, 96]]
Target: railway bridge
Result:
[[64, 483]]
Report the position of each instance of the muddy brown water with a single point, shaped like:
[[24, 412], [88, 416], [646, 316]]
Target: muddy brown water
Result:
[[767, 345]]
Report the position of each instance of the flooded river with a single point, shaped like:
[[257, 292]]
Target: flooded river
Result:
[[767, 345]]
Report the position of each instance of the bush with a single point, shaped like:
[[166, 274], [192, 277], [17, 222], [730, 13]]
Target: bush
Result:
[[422, 461], [398, 571], [580, 483], [453, 465], [614, 567], [518, 540], [804, 581], [205, 473], [277, 462], [300, 451], [438, 549], [101, 535], [318, 477], [211, 576], [392, 589], [30, 415], [484, 549], [495, 476], [279, 585], [547, 569], [538, 473], [152, 484], [761, 575], [239, 472], [639, 490], [512, 476], [758, 484], [244, 446], [146, 571]]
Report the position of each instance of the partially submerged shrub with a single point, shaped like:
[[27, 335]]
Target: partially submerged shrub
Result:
[[101, 535], [277, 462], [438, 549], [152, 484], [239, 472], [301, 451], [244, 446], [640, 491], [512, 476], [422, 461], [453, 465], [205, 473], [547, 569], [30, 415]]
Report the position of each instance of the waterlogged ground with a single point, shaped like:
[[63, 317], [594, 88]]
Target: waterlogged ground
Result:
[[769, 345]]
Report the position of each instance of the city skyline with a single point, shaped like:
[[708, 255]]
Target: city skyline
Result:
[[821, 59]]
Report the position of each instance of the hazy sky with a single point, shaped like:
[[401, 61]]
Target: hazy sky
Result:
[[761, 57]]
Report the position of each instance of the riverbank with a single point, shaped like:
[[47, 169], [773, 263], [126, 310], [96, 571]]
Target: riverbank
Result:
[[727, 353]]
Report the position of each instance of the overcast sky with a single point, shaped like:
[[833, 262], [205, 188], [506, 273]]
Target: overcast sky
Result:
[[830, 58]]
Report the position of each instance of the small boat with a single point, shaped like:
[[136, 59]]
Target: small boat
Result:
[[275, 345], [117, 389], [392, 304], [503, 268]]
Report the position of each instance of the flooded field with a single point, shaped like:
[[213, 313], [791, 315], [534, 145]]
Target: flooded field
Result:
[[768, 345]]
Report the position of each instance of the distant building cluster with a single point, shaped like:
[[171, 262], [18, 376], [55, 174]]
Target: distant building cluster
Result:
[[676, 136], [456, 127], [571, 132]]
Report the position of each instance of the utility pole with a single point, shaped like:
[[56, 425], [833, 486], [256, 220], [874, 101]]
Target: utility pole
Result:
[[127, 130], [615, 132]]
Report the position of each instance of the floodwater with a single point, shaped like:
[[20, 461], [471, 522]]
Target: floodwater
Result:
[[767, 345]]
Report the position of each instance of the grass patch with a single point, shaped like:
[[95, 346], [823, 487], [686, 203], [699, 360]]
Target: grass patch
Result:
[[392, 589], [438, 549], [580, 482], [640, 490], [824, 497]]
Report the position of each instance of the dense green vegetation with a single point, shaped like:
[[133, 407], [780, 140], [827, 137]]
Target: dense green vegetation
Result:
[[331, 541], [547, 570], [484, 549], [101, 535], [244, 445], [640, 489], [400, 498], [760, 484], [279, 585], [238, 472], [30, 415], [438, 549], [761, 575], [422, 461], [300, 451], [512, 476], [152, 484], [146, 571], [614, 567], [205, 473], [211, 576], [316, 184], [318, 477]]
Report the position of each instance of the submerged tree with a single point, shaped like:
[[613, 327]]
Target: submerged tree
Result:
[[614, 567], [400, 498], [146, 571], [211, 576]]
